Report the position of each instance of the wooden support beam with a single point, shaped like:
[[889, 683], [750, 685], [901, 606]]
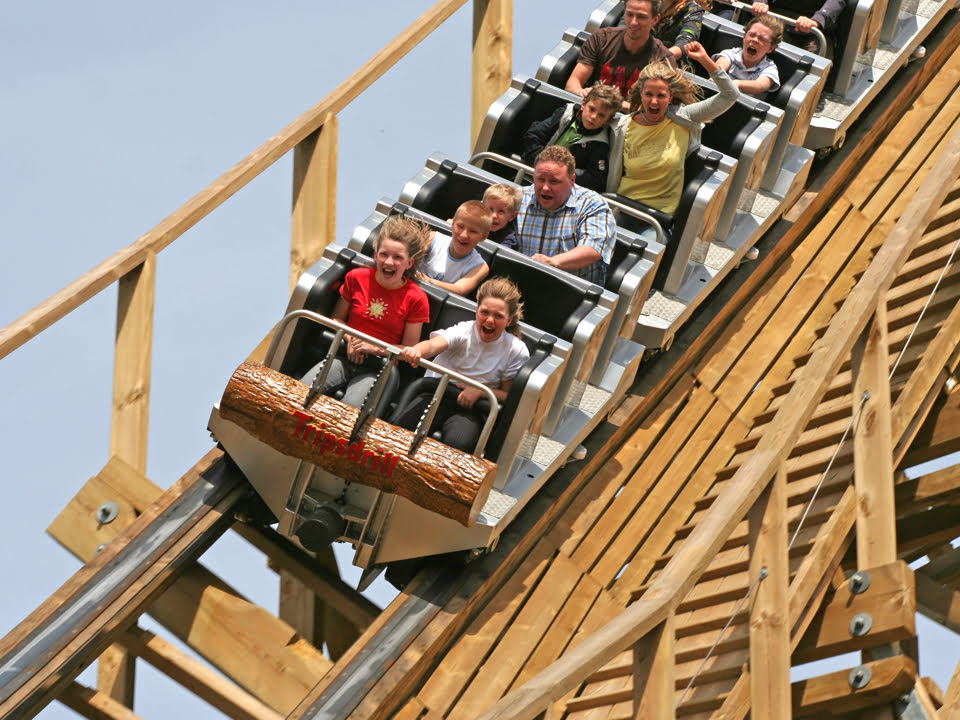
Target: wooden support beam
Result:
[[196, 677], [940, 433], [941, 487], [944, 568], [82, 618], [94, 705], [951, 701], [492, 57], [890, 601], [938, 602], [873, 447], [832, 694], [769, 618], [653, 673], [220, 190], [198, 607], [749, 481], [116, 672], [285, 556], [132, 360], [313, 223], [922, 695]]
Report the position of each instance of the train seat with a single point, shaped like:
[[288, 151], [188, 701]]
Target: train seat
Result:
[[561, 304], [525, 410], [443, 184], [802, 77]]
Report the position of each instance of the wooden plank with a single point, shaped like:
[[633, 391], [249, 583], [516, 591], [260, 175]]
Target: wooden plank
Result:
[[132, 358], [198, 607], [769, 624], [313, 222], [497, 672], [872, 447], [492, 57], [653, 673], [350, 605], [890, 601], [196, 677], [940, 434], [94, 705], [136, 592], [923, 697], [460, 663], [562, 629], [941, 487], [938, 602], [596, 544], [832, 693], [220, 190], [951, 701], [129, 425]]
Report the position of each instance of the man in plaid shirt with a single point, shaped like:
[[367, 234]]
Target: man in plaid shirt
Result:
[[562, 224]]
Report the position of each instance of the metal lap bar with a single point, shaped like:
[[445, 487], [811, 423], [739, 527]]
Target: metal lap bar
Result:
[[372, 399], [521, 168], [423, 427], [791, 22], [448, 375], [324, 370], [639, 214], [292, 509], [392, 351]]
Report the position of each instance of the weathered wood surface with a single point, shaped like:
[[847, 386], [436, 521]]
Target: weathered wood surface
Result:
[[622, 514], [220, 190], [269, 406], [198, 608]]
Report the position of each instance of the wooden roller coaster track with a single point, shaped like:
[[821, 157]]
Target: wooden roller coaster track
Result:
[[719, 534]]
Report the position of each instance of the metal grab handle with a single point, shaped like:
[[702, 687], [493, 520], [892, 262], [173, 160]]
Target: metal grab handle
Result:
[[634, 212], [521, 168], [816, 32], [392, 351], [612, 202]]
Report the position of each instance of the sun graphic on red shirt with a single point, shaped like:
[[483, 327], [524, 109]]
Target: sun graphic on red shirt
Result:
[[377, 308]]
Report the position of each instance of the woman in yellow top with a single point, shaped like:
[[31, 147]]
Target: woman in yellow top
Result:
[[652, 142]]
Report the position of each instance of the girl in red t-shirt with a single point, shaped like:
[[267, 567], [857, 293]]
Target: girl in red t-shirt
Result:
[[382, 301]]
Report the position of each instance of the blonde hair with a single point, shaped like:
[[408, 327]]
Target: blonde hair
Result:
[[683, 90], [509, 194], [412, 234], [504, 289], [476, 211]]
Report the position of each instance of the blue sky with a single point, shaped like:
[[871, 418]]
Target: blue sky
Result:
[[115, 114]]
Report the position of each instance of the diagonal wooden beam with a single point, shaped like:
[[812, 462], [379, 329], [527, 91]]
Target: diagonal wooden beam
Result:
[[94, 705], [951, 701], [938, 602], [198, 607], [196, 677]]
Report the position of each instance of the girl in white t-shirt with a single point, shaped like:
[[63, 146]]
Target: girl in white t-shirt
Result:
[[487, 349]]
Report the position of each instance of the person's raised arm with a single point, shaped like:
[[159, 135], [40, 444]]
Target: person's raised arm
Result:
[[696, 51]]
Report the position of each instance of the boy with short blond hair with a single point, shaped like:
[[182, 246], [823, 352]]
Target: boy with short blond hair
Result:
[[452, 262], [585, 131], [503, 201]]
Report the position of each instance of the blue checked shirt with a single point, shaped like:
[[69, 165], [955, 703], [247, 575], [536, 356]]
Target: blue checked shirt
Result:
[[585, 219]]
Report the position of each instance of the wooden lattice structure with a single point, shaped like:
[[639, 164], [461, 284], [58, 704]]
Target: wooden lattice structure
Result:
[[767, 457]]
